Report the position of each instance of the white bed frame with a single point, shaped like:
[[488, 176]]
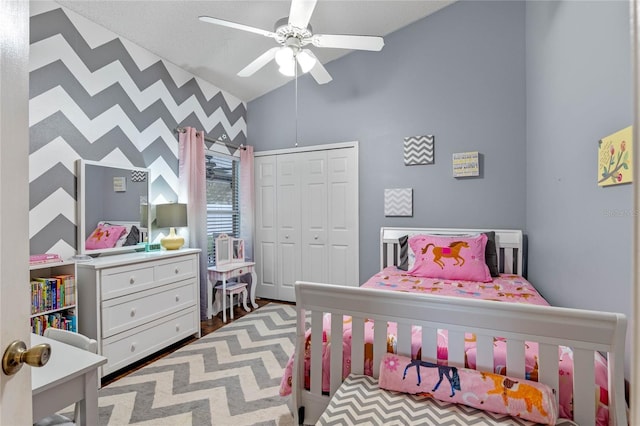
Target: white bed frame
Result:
[[584, 331]]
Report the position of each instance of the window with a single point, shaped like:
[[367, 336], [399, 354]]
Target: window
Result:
[[223, 206]]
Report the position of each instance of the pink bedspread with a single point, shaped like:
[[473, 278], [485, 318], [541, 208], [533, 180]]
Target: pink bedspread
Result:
[[507, 288]]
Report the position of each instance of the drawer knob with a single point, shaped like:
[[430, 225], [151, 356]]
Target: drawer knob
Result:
[[177, 270], [133, 312], [133, 347], [132, 280], [177, 327], [315, 237], [177, 298]]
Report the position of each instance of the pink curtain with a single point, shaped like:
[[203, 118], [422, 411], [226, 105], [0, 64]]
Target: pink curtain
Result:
[[246, 200], [192, 190]]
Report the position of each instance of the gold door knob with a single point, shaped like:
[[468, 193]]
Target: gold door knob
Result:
[[17, 354]]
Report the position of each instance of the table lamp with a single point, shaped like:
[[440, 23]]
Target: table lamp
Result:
[[171, 216]]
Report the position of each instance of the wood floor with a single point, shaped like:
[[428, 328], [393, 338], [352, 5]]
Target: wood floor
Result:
[[206, 327]]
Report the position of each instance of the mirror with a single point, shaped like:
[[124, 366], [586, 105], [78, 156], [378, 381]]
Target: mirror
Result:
[[237, 254], [112, 205], [222, 249], [229, 250]]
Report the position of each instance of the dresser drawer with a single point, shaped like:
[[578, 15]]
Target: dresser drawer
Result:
[[126, 312], [178, 269], [125, 348], [124, 280]]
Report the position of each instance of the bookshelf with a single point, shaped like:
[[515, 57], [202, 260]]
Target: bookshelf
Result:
[[53, 296]]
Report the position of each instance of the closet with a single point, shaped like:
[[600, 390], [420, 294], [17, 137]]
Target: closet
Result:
[[306, 218]]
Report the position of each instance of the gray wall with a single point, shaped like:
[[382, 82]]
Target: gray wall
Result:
[[578, 91], [459, 75]]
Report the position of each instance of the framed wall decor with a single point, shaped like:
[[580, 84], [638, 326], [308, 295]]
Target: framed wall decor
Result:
[[615, 154], [466, 164], [398, 202], [418, 150]]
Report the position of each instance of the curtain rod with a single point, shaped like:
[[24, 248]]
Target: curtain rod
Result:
[[230, 145]]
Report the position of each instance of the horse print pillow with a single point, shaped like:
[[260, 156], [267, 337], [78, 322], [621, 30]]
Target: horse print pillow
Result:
[[486, 391], [450, 257]]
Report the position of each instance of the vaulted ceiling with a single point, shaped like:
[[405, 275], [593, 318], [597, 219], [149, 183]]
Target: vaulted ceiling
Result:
[[172, 30]]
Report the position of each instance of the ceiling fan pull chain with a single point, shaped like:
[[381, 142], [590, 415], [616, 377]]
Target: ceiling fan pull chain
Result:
[[296, 100]]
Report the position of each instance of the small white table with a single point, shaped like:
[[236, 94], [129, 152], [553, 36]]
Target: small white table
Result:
[[71, 375], [225, 272]]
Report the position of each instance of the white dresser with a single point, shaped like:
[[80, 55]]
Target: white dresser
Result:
[[138, 303]]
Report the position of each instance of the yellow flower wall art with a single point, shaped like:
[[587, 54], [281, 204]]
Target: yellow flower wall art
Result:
[[615, 158]]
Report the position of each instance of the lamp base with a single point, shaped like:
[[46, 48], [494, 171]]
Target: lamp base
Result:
[[172, 241]]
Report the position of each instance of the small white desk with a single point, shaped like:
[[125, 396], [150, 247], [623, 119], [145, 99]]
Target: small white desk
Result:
[[228, 271], [71, 375]]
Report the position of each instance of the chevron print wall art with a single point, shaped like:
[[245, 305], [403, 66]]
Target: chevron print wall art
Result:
[[418, 150], [398, 202], [97, 96]]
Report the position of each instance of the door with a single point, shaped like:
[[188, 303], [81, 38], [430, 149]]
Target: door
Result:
[[15, 391], [288, 224], [313, 217], [266, 226], [342, 217]]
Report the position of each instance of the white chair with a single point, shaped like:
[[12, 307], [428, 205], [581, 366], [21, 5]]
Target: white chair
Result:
[[79, 341]]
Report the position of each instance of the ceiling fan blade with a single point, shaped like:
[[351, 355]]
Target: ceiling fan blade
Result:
[[259, 62], [358, 42], [319, 72], [300, 12], [235, 25]]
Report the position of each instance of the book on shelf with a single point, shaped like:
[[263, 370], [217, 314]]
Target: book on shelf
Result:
[[44, 256], [51, 293]]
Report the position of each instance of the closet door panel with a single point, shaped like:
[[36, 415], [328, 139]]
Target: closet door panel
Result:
[[313, 181], [343, 216], [266, 231], [288, 224]]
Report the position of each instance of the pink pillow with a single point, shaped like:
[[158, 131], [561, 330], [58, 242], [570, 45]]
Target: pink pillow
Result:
[[452, 258], [104, 236], [486, 391]]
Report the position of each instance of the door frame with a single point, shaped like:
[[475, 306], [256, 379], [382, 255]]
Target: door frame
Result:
[[15, 391]]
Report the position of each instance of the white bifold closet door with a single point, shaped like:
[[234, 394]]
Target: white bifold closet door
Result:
[[306, 219]]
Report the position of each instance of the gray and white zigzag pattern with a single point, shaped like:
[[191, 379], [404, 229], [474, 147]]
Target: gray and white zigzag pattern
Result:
[[112, 102], [398, 202], [228, 377], [418, 150], [359, 400]]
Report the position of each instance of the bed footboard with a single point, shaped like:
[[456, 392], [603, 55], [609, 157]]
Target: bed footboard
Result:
[[553, 328]]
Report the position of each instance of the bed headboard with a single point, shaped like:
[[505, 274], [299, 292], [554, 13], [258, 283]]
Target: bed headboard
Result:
[[509, 245]]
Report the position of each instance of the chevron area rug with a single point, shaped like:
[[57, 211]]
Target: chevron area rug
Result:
[[228, 377]]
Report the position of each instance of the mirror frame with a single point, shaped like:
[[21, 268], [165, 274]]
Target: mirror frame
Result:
[[81, 200]]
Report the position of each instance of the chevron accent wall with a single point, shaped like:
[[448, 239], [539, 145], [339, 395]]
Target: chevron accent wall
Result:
[[398, 202], [418, 150], [97, 96]]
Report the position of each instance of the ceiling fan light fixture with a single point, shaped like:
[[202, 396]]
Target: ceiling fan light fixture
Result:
[[306, 61], [289, 69], [284, 56]]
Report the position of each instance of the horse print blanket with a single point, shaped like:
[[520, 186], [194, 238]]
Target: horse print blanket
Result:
[[487, 391]]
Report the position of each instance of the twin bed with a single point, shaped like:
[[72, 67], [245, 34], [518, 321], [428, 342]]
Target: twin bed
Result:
[[348, 337]]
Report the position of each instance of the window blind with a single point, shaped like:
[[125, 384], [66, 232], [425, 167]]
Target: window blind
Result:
[[223, 201]]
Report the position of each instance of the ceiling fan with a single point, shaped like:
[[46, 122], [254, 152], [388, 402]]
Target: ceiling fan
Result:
[[293, 34]]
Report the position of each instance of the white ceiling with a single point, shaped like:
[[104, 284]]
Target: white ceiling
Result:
[[171, 30]]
